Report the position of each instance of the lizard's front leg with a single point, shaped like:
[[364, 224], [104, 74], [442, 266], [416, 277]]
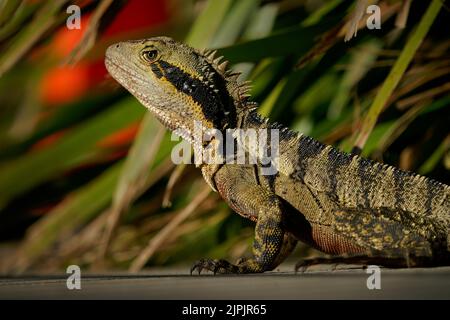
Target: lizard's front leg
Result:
[[270, 247], [272, 244]]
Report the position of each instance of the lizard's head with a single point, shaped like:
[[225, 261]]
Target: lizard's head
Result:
[[177, 83]]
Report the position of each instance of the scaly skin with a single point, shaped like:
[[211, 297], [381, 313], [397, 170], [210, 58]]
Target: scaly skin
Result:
[[341, 204]]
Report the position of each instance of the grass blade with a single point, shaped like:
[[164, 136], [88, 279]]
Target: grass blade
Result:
[[157, 240], [34, 168], [44, 19], [233, 24], [397, 72], [207, 23], [77, 209], [134, 173]]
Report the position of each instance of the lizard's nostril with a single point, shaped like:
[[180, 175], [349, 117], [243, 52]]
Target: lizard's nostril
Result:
[[117, 46]]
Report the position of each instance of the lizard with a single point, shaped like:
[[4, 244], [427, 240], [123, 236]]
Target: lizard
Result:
[[354, 209]]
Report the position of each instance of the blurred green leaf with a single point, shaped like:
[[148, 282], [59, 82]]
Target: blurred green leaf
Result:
[[7, 9], [80, 207], [21, 14], [291, 40], [397, 72], [435, 157], [207, 23], [234, 23], [262, 22], [36, 167], [135, 172], [318, 15], [27, 37], [360, 63]]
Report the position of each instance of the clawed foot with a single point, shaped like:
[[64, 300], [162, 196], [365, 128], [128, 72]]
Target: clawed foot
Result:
[[303, 265], [221, 266], [216, 266]]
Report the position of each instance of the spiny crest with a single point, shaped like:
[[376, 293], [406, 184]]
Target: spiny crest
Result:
[[240, 90]]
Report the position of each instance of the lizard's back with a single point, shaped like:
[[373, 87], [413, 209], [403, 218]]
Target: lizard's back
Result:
[[354, 204]]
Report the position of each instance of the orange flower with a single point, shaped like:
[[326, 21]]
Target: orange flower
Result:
[[119, 138], [66, 40], [64, 84]]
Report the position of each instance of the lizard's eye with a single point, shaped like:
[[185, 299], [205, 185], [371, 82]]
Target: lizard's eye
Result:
[[150, 55]]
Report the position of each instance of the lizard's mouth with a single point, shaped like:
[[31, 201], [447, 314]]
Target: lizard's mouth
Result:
[[131, 81], [142, 89], [122, 74]]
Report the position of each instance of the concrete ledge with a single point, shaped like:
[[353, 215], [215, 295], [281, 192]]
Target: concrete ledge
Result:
[[433, 283]]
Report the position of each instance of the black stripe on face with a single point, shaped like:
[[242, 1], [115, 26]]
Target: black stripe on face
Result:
[[156, 70], [214, 105]]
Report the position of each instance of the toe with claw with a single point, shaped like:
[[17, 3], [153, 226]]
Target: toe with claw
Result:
[[214, 265]]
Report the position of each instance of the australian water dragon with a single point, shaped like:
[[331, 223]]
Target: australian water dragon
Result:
[[356, 209]]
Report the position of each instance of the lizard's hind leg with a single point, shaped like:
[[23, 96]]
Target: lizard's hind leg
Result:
[[363, 260]]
